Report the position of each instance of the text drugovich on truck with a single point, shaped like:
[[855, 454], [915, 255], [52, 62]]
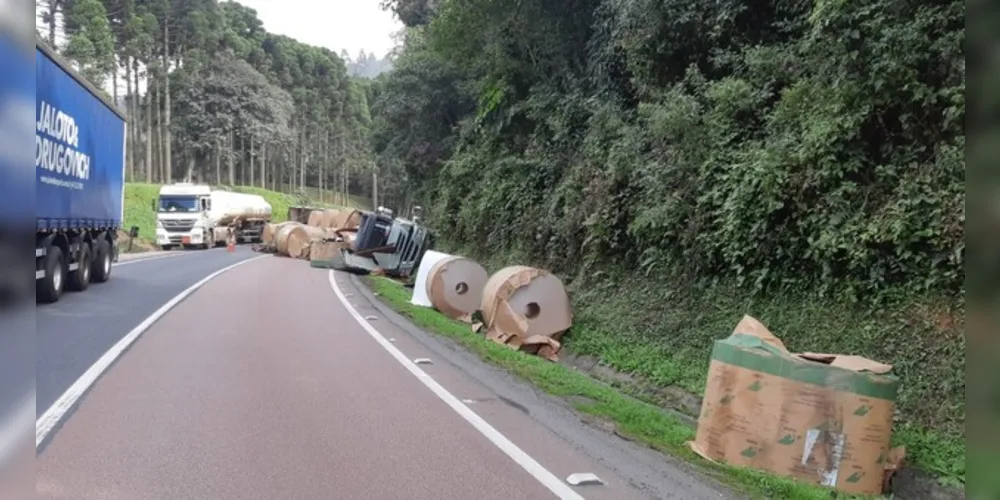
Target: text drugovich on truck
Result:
[[57, 139]]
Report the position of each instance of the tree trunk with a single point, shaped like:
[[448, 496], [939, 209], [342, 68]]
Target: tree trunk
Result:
[[305, 158], [161, 166], [218, 161], [263, 165], [253, 168], [53, 7], [190, 168], [232, 167], [243, 161], [166, 99], [148, 143], [137, 139], [133, 124], [321, 181], [114, 82], [374, 189]]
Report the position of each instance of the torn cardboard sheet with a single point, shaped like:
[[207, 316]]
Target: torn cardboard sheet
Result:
[[820, 418], [526, 308], [455, 287]]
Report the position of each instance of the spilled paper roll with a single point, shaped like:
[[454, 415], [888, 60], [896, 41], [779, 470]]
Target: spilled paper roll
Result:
[[526, 308], [315, 218], [427, 262], [346, 219], [455, 286]]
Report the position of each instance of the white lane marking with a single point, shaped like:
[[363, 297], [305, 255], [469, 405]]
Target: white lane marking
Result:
[[549, 480], [58, 410]]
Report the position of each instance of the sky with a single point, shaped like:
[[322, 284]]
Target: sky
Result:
[[338, 25]]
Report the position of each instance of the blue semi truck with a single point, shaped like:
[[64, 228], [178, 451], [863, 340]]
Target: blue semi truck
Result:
[[79, 179]]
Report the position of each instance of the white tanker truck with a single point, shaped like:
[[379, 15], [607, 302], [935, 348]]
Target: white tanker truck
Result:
[[193, 215]]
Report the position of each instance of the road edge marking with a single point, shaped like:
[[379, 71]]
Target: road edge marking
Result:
[[65, 402], [530, 465]]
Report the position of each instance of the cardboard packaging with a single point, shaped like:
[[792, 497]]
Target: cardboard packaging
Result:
[[528, 309], [322, 252], [820, 418]]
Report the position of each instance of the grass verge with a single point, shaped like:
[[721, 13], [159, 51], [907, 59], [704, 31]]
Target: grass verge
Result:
[[632, 418]]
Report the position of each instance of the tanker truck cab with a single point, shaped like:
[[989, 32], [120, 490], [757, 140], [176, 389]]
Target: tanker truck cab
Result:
[[183, 216]]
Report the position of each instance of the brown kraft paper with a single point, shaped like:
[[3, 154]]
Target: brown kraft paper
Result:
[[820, 418]]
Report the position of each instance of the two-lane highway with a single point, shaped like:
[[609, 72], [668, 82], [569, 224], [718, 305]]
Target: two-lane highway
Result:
[[73, 333], [275, 380]]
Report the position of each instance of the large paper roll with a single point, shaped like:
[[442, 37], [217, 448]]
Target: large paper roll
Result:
[[346, 219], [527, 308], [427, 262], [315, 218], [455, 286]]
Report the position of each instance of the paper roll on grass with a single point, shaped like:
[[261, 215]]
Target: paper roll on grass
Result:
[[455, 286], [427, 262], [527, 308]]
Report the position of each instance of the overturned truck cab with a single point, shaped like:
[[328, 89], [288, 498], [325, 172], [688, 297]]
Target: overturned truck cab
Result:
[[385, 244]]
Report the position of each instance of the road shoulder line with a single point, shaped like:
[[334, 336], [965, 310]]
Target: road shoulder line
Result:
[[540, 473], [55, 414]]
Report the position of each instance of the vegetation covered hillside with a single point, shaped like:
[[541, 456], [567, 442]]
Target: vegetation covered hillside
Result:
[[682, 163]]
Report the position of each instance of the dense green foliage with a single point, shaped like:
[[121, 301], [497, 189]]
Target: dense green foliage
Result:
[[213, 97], [801, 161]]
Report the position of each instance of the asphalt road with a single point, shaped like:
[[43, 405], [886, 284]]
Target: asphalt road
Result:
[[265, 384], [70, 335]]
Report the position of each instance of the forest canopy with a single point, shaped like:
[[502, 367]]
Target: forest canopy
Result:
[[211, 96]]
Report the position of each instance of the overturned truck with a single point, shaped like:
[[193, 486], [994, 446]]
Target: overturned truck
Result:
[[350, 240], [384, 244]]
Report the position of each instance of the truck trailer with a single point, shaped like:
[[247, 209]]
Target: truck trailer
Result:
[[195, 215], [79, 178]]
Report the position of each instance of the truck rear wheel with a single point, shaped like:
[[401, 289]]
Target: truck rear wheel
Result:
[[49, 288], [79, 279], [100, 268]]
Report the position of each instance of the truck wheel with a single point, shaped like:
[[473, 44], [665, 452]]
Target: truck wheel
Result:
[[49, 288], [209, 240], [79, 279], [166, 247], [100, 268]]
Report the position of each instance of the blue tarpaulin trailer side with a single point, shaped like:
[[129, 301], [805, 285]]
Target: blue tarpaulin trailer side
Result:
[[79, 178], [79, 151]]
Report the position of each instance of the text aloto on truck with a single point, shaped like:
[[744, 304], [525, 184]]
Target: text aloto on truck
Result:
[[56, 141]]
